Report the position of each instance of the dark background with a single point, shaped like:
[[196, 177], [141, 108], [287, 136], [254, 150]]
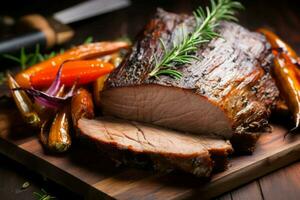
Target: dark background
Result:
[[282, 17]]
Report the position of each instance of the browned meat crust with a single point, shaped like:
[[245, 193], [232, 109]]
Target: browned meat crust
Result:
[[229, 92]]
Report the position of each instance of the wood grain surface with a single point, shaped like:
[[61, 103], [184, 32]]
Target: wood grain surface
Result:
[[92, 175], [249, 192]]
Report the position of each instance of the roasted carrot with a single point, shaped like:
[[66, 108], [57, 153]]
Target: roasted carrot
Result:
[[80, 71], [86, 51], [97, 88], [59, 139], [81, 106], [286, 73], [98, 85], [24, 103], [278, 44], [44, 134]]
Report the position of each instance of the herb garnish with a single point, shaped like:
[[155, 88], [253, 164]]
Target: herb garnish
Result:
[[43, 195], [182, 52], [88, 40], [28, 59]]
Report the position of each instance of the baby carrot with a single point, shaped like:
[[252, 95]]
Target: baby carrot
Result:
[[80, 71]]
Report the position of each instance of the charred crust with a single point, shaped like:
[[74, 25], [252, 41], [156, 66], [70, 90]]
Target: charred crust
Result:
[[233, 74]]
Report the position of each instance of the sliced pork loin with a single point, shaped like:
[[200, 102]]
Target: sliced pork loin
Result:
[[228, 92], [138, 143]]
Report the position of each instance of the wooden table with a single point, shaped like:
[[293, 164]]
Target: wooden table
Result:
[[283, 18]]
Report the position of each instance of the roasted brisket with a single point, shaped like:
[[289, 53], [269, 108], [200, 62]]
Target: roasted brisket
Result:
[[228, 92], [148, 145]]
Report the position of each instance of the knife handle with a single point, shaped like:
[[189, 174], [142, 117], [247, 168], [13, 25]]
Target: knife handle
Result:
[[27, 40], [36, 29]]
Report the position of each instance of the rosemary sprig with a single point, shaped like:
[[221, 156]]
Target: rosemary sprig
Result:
[[28, 59], [88, 40], [206, 22], [43, 195]]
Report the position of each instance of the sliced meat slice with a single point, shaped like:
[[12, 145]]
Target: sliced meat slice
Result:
[[228, 92], [129, 141]]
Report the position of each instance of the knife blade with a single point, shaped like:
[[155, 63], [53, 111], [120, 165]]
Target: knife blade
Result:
[[86, 10], [53, 30]]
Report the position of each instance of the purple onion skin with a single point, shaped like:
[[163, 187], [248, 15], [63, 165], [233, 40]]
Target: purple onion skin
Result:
[[50, 98]]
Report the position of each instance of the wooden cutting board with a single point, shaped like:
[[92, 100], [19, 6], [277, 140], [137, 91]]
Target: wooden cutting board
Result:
[[85, 172]]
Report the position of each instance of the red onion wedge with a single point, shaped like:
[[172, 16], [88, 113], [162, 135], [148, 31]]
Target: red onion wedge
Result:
[[49, 98]]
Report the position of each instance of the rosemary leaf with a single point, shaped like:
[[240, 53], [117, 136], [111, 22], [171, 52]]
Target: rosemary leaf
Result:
[[62, 51], [88, 40], [23, 58], [28, 59], [11, 57], [171, 72], [185, 44], [48, 56], [43, 195]]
